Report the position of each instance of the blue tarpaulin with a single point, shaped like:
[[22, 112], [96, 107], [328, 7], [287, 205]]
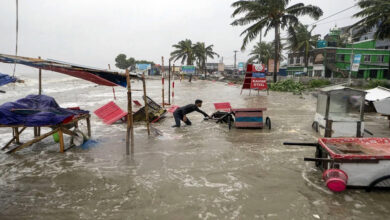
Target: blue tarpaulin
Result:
[[5, 79], [35, 110]]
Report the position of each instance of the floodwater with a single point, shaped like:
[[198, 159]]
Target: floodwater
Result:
[[203, 171]]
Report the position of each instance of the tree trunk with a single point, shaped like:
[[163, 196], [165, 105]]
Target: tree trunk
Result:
[[307, 59], [276, 52], [205, 68]]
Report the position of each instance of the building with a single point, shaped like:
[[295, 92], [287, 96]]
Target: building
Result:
[[333, 60]]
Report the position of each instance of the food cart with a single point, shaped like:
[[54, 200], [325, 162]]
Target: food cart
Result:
[[241, 117], [352, 162], [340, 112]]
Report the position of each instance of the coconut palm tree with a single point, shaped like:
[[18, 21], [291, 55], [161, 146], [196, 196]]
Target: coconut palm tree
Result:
[[374, 13], [263, 51], [267, 15], [301, 39], [202, 52], [183, 50]]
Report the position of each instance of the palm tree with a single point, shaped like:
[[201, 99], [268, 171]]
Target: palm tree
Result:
[[263, 51], [184, 51], [202, 52], [301, 39], [270, 14], [374, 13]]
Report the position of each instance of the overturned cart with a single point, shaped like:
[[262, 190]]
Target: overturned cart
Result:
[[352, 162], [155, 112]]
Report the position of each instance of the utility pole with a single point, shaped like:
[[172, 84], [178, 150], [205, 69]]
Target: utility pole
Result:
[[235, 58]]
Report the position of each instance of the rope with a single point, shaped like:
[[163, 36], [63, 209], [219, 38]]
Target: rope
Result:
[[17, 33]]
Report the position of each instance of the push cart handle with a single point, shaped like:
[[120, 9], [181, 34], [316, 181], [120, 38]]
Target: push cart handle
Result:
[[317, 159], [301, 144]]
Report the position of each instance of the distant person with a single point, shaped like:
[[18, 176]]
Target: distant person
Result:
[[181, 113]]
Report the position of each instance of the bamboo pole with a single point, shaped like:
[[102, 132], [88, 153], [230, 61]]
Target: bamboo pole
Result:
[[162, 81], [169, 83], [146, 104], [40, 80], [130, 130]]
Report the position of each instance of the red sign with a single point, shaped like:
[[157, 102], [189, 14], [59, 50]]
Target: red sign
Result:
[[255, 68], [259, 83]]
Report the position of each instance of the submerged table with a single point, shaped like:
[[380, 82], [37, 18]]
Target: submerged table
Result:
[[62, 129]]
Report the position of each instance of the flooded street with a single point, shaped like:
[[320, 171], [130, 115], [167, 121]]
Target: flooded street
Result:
[[203, 171]]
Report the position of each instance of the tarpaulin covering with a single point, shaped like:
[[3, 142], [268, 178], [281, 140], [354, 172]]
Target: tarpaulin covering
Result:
[[95, 75], [35, 110], [5, 79]]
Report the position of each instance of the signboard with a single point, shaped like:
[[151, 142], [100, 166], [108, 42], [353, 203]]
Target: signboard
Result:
[[321, 44], [271, 66], [255, 68], [259, 83], [241, 66], [356, 62], [221, 67], [143, 66], [188, 69], [258, 75]]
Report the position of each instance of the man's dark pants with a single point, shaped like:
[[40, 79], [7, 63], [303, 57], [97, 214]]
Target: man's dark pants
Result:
[[179, 117]]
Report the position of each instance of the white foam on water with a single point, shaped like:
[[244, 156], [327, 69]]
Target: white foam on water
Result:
[[304, 176]]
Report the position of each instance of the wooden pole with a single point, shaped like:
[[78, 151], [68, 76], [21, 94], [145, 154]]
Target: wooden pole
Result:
[[169, 83], [146, 105], [61, 136], [162, 81], [130, 131], [40, 80]]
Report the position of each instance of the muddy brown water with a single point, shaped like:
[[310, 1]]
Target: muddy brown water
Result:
[[203, 171]]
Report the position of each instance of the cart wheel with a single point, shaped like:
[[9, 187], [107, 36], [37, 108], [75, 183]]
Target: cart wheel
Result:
[[315, 126], [382, 182], [268, 122]]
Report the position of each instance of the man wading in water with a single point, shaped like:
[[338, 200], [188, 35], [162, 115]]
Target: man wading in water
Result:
[[180, 113]]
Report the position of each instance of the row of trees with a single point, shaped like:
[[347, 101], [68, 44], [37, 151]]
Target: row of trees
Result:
[[265, 15], [189, 53], [122, 62]]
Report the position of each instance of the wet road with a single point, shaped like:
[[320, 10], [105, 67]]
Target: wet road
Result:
[[203, 171]]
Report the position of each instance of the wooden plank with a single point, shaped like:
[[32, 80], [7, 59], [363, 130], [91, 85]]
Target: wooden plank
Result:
[[249, 114], [89, 126], [16, 132], [146, 105], [61, 136], [5, 146], [33, 141], [248, 124]]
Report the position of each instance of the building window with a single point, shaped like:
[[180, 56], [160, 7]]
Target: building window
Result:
[[291, 60], [311, 60], [381, 59], [298, 60], [367, 58], [340, 57], [318, 73]]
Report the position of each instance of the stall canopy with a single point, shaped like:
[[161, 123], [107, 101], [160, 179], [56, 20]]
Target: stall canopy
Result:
[[5, 79], [377, 93], [95, 75]]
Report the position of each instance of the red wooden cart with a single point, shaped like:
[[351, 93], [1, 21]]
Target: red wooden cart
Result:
[[353, 162]]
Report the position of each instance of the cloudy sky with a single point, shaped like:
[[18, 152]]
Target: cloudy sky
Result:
[[93, 32]]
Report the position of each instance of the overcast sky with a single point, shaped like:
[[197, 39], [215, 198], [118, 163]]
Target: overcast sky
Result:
[[94, 32]]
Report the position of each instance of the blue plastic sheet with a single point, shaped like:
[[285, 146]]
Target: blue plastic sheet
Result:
[[5, 79], [35, 110]]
